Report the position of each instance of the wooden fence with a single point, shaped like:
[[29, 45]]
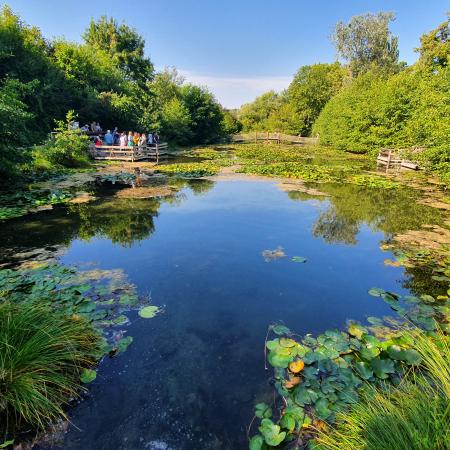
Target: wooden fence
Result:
[[138, 153], [274, 137], [389, 157]]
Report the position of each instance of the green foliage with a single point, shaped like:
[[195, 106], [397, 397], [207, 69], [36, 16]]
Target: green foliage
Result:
[[67, 147], [230, 122], [106, 79], [254, 116], [366, 43], [413, 416], [123, 44], [14, 119], [435, 47], [310, 90], [42, 353]]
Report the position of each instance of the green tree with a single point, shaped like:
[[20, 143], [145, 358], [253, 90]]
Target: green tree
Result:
[[14, 122], [435, 47], [310, 90], [205, 112], [124, 44], [230, 123], [176, 121], [254, 115], [367, 43]]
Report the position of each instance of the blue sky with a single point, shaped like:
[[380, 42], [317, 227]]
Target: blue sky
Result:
[[238, 49]]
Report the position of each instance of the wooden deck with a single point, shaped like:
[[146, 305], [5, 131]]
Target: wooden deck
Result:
[[153, 152], [389, 158]]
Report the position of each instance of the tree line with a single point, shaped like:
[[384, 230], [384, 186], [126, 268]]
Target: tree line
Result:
[[371, 99], [107, 78]]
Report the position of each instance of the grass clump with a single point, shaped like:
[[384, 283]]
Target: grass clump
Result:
[[42, 354], [413, 416]]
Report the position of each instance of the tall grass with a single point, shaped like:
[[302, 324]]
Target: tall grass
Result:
[[413, 416], [41, 355]]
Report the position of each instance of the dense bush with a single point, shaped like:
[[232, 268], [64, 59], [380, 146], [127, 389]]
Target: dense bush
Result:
[[67, 147]]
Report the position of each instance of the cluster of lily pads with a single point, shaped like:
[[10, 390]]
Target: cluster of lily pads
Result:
[[317, 377], [190, 170], [306, 172], [79, 294], [19, 204], [374, 181]]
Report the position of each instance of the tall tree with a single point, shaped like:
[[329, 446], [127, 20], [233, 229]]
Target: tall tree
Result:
[[311, 89], [367, 43], [124, 44], [435, 47]]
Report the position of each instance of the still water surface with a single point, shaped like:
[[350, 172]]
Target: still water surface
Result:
[[193, 374]]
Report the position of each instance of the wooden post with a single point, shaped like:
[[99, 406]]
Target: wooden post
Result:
[[389, 159], [256, 137], [268, 137]]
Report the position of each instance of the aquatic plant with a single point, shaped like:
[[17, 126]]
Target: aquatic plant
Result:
[[412, 416], [320, 377], [374, 181], [190, 170], [306, 172], [42, 353]]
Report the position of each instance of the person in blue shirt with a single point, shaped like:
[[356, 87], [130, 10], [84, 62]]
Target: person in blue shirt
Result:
[[109, 138]]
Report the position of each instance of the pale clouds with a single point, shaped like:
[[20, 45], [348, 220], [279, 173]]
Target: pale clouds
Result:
[[232, 92]]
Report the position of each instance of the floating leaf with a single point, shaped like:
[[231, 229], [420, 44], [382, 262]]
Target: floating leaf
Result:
[[271, 432], [88, 376], [296, 366], [356, 330], [294, 381], [288, 422], [256, 442], [148, 312], [410, 356], [376, 292], [128, 300], [263, 411], [382, 367], [364, 370], [280, 329], [123, 344], [321, 408], [299, 259]]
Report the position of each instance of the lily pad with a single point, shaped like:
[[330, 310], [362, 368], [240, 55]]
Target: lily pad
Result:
[[148, 312], [88, 376], [263, 411], [272, 433], [298, 259]]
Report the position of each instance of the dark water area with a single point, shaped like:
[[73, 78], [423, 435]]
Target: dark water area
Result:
[[193, 373]]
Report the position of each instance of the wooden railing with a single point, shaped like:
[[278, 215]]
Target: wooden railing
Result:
[[132, 154], [274, 137]]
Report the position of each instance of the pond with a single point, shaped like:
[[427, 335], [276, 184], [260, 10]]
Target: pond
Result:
[[193, 374]]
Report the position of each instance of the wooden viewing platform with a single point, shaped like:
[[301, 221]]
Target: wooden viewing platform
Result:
[[137, 153], [389, 157]]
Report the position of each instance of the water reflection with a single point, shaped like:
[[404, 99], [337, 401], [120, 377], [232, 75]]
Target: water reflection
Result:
[[348, 207], [193, 374]]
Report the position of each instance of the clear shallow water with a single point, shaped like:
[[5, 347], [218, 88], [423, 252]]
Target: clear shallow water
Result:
[[193, 374]]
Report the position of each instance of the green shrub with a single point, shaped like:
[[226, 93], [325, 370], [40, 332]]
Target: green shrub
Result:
[[67, 148], [413, 416], [42, 353]]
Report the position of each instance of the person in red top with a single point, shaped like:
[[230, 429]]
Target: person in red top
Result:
[[98, 141]]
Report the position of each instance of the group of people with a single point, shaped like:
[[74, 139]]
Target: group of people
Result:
[[128, 140]]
